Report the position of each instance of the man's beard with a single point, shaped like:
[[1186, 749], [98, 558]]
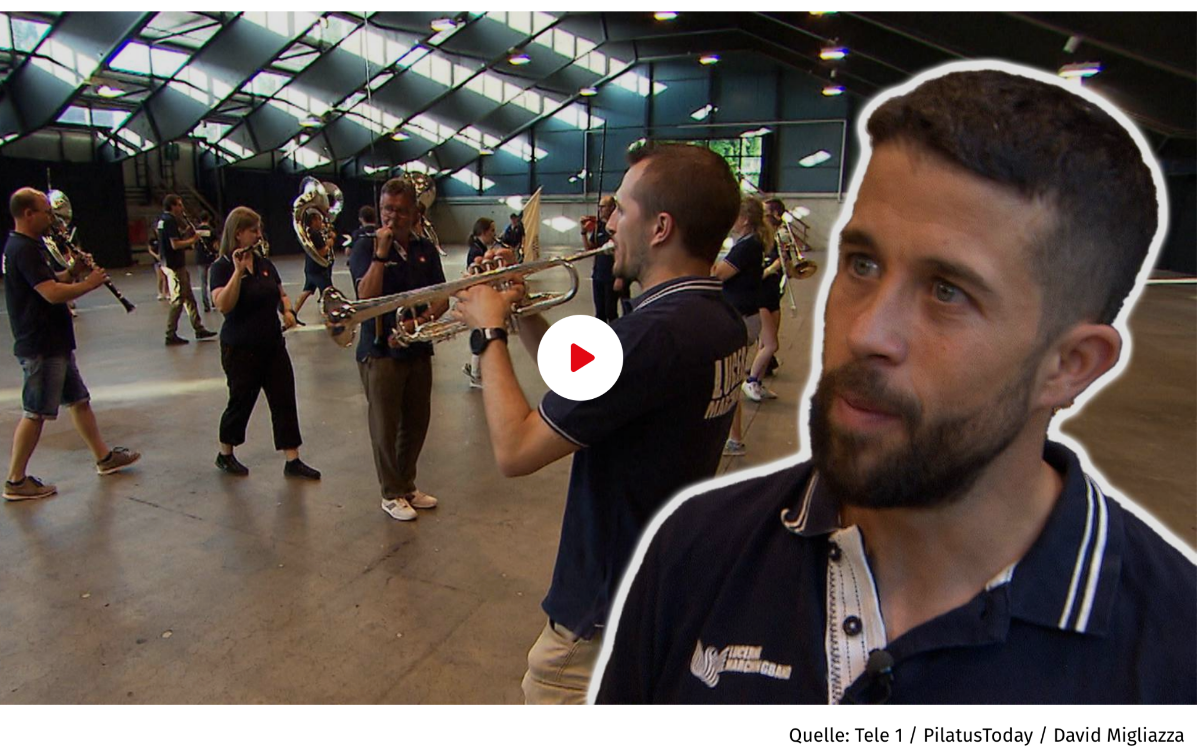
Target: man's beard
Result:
[[633, 261], [942, 459]]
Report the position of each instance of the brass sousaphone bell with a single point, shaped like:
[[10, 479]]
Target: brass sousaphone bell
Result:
[[323, 199]]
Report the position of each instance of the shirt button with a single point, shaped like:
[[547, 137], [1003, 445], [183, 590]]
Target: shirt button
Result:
[[835, 552], [852, 625]]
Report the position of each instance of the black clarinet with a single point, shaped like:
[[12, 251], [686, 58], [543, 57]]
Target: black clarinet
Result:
[[79, 260]]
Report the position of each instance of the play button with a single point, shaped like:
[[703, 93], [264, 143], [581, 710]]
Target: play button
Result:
[[580, 357]]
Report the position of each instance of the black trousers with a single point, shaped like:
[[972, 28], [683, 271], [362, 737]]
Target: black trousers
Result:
[[248, 370], [605, 299]]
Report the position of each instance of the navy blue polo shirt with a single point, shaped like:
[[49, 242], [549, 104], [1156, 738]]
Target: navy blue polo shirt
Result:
[[602, 265], [731, 605], [39, 328], [660, 428], [419, 267], [169, 229], [742, 289], [254, 320]]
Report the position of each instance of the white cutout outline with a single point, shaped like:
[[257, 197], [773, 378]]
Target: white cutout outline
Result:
[[1054, 432]]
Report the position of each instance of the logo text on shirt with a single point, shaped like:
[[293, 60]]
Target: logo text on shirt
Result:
[[709, 663], [728, 374]]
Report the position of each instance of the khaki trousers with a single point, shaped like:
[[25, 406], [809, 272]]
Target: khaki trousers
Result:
[[179, 284], [560, 667]]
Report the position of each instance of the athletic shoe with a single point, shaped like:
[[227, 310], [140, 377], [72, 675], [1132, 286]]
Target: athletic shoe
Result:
[[476, 382], [161, 298], [753, 390], [421, 500], [734, 448], [176, 341], [204, 333], [29, 488], [118, 458], [767, 393], [231, 465], [297, 468], [399, 509]]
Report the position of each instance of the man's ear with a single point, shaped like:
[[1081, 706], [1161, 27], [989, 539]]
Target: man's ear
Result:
[[1078, 358], [664, 225]]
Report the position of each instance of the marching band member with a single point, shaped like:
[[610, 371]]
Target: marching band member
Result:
[[44, 344], [174, 237], [317, 278], [661, 425], [741, 274], [604, 294], [247, 290], [397, 380]]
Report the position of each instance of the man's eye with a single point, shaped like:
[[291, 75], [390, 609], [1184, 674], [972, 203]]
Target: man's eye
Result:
[[947, 293], [861, 265]]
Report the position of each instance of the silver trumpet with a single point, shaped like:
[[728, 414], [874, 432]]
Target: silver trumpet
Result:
[[342, 316]]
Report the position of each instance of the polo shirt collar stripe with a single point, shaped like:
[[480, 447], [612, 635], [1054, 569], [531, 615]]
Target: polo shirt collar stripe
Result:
[[681, 284], [1067, 580]]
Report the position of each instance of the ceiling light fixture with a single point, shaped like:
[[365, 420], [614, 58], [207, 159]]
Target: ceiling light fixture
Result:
[[822, 13], [815, 158], [108, 92], [833, 90], [833, 53], [399, 136], [665, 15], [703, 112], [709, 59], [753, 133], [1072, 44], [443, 24], [311, 121], [485, 151], [518, 57], [588, 91]]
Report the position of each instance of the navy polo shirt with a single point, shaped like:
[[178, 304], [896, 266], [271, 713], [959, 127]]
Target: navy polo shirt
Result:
[[419, 267], [39, 327], [660, 428], [732, 604], [742, 289], [254, 320], [602, 265], [168, 229]]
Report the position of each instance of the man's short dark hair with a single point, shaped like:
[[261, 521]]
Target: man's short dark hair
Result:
[[366, 214], [400, 186], [170, 201], [25, 199], [1047, 144], [513, 216], [695, 186]]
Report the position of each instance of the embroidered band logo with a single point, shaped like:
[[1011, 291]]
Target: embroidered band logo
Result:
[[708, 663]]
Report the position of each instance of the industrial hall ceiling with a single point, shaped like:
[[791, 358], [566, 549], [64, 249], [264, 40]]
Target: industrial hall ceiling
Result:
[[348, 91]]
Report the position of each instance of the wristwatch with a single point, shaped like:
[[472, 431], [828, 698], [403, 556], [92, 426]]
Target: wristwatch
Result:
[[481, 337]]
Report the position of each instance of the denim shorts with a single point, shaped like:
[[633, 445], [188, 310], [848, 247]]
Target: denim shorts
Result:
[[49, 382]]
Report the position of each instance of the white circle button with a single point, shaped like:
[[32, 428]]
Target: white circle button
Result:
[[580, 357]]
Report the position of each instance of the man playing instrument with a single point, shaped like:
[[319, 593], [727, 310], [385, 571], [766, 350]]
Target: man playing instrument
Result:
[[44, 344], [939, 548], [175, 235], [398, 380], [659, 428]]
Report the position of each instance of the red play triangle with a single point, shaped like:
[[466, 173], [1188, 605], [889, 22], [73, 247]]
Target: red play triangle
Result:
[[580, 357]]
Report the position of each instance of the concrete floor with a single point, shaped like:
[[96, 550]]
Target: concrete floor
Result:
[[173, 583]]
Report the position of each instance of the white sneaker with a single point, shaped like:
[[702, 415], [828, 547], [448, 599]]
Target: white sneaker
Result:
[[421, 500], [734, 448], [753, 390], [399, 509]]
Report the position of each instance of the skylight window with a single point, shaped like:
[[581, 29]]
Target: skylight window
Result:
[[5, 34], [108, 119], [375, 47], [75, 116], [210, 131], [283, 23], [469, 177], [27, 35], [136, 57], [265, 84]]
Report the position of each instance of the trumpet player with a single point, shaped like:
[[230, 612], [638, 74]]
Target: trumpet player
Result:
[[398, 381], [246, 289], [594, 233], [176, 235], [44, 344], [660, 427]]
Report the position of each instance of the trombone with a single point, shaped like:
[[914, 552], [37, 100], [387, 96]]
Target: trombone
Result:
[[342, 316]]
